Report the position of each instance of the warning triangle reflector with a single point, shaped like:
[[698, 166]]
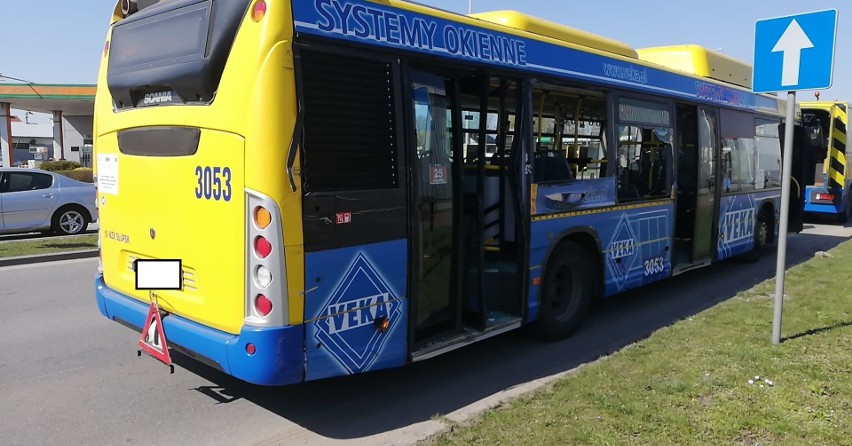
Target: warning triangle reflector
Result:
[[153, 339]]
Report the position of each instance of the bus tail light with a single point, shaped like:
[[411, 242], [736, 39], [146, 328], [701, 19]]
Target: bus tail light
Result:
[[262, 247], [259, 10], [266, 301], [263, 305], [263, 276], [262, 217]]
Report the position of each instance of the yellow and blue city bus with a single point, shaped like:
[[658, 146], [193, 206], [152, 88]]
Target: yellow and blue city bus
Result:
[[827, 191], [355, 185]]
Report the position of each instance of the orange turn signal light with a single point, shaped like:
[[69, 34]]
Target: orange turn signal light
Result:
[[382, 324], [262, 217], [536, 281]]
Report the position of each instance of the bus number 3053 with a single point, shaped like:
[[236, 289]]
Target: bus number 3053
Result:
[[213, 183]]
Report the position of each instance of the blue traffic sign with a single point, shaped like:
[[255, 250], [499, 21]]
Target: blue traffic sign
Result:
[[794, 52]]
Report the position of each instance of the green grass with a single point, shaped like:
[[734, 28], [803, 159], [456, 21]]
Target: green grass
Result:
[[47, 245], [687, 384]]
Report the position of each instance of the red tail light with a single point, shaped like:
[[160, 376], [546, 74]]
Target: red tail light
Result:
[[262, 247], [827, 197], [263, 305], [259, 10]]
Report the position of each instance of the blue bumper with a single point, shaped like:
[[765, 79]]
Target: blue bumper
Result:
[[279, 357], [823, 208]]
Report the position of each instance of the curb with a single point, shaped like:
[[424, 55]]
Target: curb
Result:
[[52, 257]]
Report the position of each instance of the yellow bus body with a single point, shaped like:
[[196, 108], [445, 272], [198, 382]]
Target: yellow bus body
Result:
[[247, 127]]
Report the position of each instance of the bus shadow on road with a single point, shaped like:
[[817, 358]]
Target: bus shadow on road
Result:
[[370, 404]]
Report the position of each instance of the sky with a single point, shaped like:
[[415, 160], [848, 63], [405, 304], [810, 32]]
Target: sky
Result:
[[65, 44]]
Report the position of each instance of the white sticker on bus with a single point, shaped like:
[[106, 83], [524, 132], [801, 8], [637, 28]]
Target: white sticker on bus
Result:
[[108, 174]]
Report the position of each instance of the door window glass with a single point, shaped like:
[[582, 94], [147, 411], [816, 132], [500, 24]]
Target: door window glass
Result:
[[24, 181]]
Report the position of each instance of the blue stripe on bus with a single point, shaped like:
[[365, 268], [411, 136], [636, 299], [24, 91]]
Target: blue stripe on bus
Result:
[[374, 24], [279, 357]]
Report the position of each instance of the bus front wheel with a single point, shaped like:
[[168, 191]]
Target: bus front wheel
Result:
[[566, 292]]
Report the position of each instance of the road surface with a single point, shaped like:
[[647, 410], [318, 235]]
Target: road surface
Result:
[[69, 376]]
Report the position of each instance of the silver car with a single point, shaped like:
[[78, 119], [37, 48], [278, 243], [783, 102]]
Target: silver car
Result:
[[37, 200]]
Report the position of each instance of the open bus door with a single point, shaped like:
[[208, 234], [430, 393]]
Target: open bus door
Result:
[[808, 144]]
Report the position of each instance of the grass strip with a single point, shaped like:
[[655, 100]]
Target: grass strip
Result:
[[48, 245], [688, 383]]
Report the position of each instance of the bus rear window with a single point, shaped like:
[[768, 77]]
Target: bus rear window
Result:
[[172, 52], [175, 38]]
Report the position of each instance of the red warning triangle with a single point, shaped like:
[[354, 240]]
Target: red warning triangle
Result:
[[153, 339]]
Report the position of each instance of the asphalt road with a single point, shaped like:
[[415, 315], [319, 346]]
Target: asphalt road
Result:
[[69, 376]]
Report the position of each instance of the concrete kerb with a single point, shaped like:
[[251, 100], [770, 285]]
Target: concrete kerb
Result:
[[51, 257]]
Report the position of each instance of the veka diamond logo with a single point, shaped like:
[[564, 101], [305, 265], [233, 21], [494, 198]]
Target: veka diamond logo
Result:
[[622, 250], [348, 325]]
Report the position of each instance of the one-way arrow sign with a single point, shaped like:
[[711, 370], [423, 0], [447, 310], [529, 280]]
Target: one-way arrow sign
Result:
[[791, 43], [794, 52]]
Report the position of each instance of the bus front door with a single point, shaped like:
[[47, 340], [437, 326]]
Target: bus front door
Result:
[[435, 277], [697, 191]]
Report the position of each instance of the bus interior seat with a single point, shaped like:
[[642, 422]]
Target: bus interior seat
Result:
[[551, 165]]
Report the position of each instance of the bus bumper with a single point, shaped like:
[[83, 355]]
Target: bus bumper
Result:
[[815, 208], [279, 357]]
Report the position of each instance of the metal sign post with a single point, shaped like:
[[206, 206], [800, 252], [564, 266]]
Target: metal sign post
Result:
[[791, 53], [781, 263]]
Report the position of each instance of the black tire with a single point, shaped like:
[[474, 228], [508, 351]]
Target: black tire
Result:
[[843, 217], [761, 238], [569, 284], [69, 220]]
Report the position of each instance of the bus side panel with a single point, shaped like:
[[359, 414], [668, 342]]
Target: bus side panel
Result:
[[635, 245], [350, 290], [737, 216]]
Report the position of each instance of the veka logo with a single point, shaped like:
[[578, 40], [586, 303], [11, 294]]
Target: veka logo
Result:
[[157, 98], [738, 225], [347, 325], [622, 250]]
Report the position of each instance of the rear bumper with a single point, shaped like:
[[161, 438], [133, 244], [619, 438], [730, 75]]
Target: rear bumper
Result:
[[279, 358], [812, 205]]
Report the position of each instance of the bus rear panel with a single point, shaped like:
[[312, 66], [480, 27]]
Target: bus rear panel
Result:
[[182, 173], [827, 193]]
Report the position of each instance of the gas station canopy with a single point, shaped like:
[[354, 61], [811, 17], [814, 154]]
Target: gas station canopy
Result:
[[71, 100]]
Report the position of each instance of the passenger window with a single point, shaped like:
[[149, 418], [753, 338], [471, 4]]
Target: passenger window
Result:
[[645, 145], [570, 129], [738, 164], [19, 182], [644, 155]]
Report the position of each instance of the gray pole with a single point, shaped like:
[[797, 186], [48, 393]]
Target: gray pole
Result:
[[780, 266]]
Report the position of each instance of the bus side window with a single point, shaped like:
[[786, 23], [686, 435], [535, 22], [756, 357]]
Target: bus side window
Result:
[[645, 165], [645, 149]]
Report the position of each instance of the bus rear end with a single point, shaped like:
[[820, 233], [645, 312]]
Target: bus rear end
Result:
[[195, 107], [827, 193]]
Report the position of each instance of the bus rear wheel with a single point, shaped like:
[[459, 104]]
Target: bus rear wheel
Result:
[[567, 291], [761, 238]]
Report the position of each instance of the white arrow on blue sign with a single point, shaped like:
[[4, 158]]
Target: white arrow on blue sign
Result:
[[794, 52]]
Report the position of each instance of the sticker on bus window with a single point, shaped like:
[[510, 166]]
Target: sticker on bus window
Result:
[[108, 174], [438, 174]]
